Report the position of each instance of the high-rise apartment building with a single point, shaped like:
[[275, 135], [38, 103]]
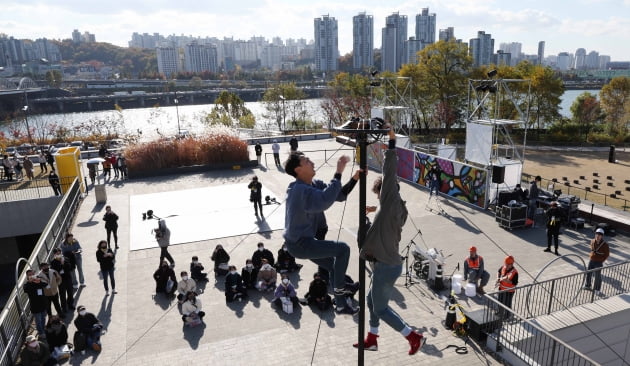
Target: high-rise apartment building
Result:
[[393, 52], [326, 44], [592, 60], [167, 60], [413, 46], [580, 59], [447, 34], [76, 36], [481, 49], [362, 41], [514, 49], [200, 57], [563, 62], [603, 62], [541, 52], [271, 57], [425, 27], [502, 58]]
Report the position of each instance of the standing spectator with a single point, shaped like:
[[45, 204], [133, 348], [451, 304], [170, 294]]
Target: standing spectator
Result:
[[598, 255], [520, 193], [114, 161], [72, 250], [260, 254], [28, 168], [286, 262], [122, 166], [53, 179], [102, 151], [275, 147], [106, 259], [163, 238], [258, 150], [221, 259], [255, 195], [474, 270], [507, 281], [17, 166], [196, 270], [191, 310], [88, 325], [7, 164], [92, 172], [36, 353], [285, 289], [435, 178], [266, 278], [533, 197], [293, 143], [34, 288], [42, 162], [249, 274], [162, 276], [184, 286], [111, 225], [107, 167], [318, 293], [50, 159], [63, 266], [554, 217], [234, 288], [56, 333], [52, 279]]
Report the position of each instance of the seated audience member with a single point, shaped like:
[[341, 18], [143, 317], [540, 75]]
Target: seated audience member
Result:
[[286, 262], [162, 277], [191, 310], [221, 259], [285, 289], [88, 325], [249, 274], [318, 293], [196, 270], [36, 353], [56, 333], [266, 278], [261, 253], [234, 289], [185, 285]]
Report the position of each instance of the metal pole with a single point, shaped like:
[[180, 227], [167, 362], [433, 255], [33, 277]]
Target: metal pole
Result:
[[362, 141], [176, 101]]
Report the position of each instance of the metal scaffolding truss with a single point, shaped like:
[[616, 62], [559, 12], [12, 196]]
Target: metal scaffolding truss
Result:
[[393, 95]]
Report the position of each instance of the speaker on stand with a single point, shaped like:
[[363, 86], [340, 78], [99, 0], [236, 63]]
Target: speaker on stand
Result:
[[498, 177]]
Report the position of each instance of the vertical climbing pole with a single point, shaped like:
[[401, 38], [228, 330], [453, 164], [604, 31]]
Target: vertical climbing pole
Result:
[[362, 142]]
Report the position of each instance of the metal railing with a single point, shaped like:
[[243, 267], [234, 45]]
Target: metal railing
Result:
[[513, 331], [16, 318], [30, 189]]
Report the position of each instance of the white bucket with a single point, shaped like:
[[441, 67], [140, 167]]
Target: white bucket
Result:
[[471, 290], [456, 287], [457, 278]]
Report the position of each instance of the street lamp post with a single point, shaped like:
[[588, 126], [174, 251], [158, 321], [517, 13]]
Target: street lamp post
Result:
[[176, 101], [284, 113], [28, 129]]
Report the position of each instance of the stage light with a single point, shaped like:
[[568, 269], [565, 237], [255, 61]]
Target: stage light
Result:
[[492, 73]]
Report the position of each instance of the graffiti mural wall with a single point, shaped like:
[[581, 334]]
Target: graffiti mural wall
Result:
[[458, 180]]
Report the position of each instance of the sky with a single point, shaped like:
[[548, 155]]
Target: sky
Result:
[[599, 25]]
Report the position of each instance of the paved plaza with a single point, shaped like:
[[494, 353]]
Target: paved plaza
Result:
[[144, 329]]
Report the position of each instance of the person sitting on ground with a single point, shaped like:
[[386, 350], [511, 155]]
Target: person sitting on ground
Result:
[[56, 333], [234, 289], [249, 274], [161, 277], [184, 286], [220, 258], [474, 270], [286, 262], [261, 253], [196, 270], [88, 325], [318, 293], [266, 278], [191, 310], [285, 290], [36, 353]]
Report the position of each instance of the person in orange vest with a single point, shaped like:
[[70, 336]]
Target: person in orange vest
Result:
[[507, 281], [474, 270]]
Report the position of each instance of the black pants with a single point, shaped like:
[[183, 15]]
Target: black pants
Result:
[[552, 234], [258, 205], [55, 301], [115, 232], [66, 294], [57, 189], [165, 254], [505, 298], [276, 158]]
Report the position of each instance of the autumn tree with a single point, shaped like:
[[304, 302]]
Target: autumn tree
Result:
[[286, 102], [586, 112], [54, 78], [615, 101], [546, 93], [229, 110], [348, 96]]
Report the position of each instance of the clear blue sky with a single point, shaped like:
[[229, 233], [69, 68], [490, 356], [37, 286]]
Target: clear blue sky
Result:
[[600, 25]]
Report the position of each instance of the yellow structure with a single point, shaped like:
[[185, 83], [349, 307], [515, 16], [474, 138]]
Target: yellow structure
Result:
[[68, 167]]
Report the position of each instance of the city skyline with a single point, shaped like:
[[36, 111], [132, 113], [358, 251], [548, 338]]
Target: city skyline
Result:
[[564, 26]]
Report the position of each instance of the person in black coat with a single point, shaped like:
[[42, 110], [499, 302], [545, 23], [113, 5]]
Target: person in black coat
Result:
[[53, 179], [318, 293], [293, 143], [106, 258], [196, 270], [34, 288], [260, 254], [255, 195], [249, 274], [286, 262], [161, 277], [258, 150], [111, 225], [63, 266], [88, 325], [554, 218], [221, 259], [234, 289], [56, 332]]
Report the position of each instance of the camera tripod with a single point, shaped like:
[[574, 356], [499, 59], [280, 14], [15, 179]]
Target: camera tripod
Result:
[[408, 273]]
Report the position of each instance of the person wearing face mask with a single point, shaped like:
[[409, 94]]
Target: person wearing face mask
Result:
[[111, 225], [34, 288], [286, 262], [266, 278], [106, 259], [234, 289], [163, 238], [62, 265], [220, 258], [261, 253], [196, 270], [255, 195], [52, 279], [161, 276], [72, 250], [88, 325], [184, 286], [191, 310], [318, 293], [36, 353], [249, 274], [56, 333], [285, 289]]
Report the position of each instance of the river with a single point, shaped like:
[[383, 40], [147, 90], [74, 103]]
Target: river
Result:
[[153, 122]]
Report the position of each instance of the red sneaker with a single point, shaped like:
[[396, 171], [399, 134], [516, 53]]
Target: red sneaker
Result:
[[370, 343], [416, 341]]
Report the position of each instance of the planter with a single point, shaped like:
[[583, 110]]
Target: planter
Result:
[[192, 169]]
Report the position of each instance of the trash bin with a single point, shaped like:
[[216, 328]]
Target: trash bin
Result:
[[611, 154], [100, 193]]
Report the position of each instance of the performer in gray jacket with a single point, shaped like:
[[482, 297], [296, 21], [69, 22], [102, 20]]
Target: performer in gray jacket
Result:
[[381, 249]]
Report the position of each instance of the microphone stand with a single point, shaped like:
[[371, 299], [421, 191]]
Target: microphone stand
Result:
[[408, 275]]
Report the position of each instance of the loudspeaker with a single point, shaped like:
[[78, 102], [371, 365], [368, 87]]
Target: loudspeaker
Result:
[[480, 324], [498, 174]]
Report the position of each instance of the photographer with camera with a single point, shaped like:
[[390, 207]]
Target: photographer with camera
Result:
[[255, 195], [163, 237]]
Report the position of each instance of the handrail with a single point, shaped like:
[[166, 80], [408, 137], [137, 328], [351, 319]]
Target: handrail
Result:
[[30, 189]]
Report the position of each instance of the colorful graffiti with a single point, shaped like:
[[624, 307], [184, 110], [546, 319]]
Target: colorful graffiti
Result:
[[458, 180]]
